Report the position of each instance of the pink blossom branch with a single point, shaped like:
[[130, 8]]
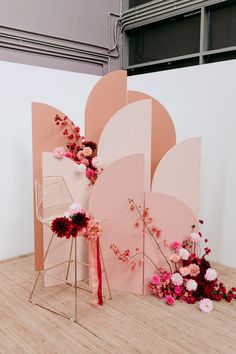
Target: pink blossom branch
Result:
[[149, 231]]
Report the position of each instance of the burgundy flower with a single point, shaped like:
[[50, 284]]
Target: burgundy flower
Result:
[[61, 227], [80, 220]]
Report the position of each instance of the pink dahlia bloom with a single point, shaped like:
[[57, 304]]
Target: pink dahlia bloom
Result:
[[155, 279], [184, 271], [177, 279], [211, 274], [175, 245], [170, 300], [191, 285], [194, 270]]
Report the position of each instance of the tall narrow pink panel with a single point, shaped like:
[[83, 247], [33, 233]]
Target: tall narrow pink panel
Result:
[[60, 249], [45, 137], [163, 135], [175, 220], [106, 98], [121, 180], [128, 132], [178, 173]]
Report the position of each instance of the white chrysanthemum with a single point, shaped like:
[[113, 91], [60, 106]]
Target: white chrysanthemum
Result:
[[194, 237], [76, 206], [96, 162], [211, 274], [206, 305], [81, 168], [191, 285], [177, 279], [183, 253]]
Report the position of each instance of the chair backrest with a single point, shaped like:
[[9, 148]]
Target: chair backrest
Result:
[[53, 198]]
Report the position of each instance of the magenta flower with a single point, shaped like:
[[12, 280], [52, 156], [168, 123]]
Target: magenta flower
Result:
[[155, 279], [170, 300], [175, 245]]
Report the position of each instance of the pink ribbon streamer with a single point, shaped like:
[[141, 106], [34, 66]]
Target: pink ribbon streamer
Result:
[[95, 270]]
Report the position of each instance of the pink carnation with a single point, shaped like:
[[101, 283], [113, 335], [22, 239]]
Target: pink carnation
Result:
[[174, 258], [89, 173], [178, 290], [184, 271], [170, 300], [59, 152], [175, 245], [194, 270], [155, 279]]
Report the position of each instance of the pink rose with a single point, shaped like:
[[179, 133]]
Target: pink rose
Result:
[[184, 271], [59, 152], [155, 279], [174, 258], [89, 173], [175, 245], [170, 300], [87, 151], [194, 270], [178, 290]]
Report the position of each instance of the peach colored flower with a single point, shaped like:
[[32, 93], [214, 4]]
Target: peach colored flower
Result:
[[194, 270], [87, 151], [85, 161], [184, 271], [174, 258]]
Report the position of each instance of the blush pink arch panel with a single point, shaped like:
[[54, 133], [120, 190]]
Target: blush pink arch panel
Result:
[[163, 135], [45, 137], [60, 248], [107, 97], [109, 201], [174, 218], [128, 132], [178, 173]]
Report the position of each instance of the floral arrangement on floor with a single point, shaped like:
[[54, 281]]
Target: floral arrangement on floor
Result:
[[189, 277], [76, 222], [78, 149]]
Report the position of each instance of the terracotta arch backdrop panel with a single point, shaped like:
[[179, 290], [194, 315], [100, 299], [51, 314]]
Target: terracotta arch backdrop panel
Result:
[[109, 201], [45, 137], [107, 97], [174, 219], [60, 248], [178, 173], [128, 132], [163, 135]]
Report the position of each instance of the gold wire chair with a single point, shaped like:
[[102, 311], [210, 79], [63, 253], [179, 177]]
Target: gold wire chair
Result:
[[53, 199]]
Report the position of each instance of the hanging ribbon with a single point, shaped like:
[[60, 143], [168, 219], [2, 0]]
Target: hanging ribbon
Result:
[[95, 270]]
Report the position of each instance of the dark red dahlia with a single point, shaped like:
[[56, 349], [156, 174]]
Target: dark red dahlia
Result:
[[61, 227], [80, 220], [90, 144]]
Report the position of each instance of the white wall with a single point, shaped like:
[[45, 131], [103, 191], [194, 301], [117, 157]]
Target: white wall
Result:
[[19, 86], [201, 101]]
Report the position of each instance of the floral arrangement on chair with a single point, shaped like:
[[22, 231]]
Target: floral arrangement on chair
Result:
[[76, 222], [189, 277], [78, 149]]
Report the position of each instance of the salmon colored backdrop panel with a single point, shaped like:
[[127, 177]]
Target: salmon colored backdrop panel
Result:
[[163, 135], [45, 137], [107, 97]]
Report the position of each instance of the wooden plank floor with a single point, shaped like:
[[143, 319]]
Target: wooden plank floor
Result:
[[127, 324]]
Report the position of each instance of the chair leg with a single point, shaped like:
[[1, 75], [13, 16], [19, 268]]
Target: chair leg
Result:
[[69, 262], [38, 275], [76, 279]]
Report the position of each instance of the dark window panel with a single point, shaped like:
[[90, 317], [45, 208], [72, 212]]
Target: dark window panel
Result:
[[220, 57], [176, 37], [222, 29], [133, 3], [164, 66]]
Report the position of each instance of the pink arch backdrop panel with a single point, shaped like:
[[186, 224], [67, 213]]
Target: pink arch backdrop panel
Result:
[[128, 132], [174, 219], [107, 97], [109, 201], [178, 173], [60, 248], [163, 135], [45, 137]]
